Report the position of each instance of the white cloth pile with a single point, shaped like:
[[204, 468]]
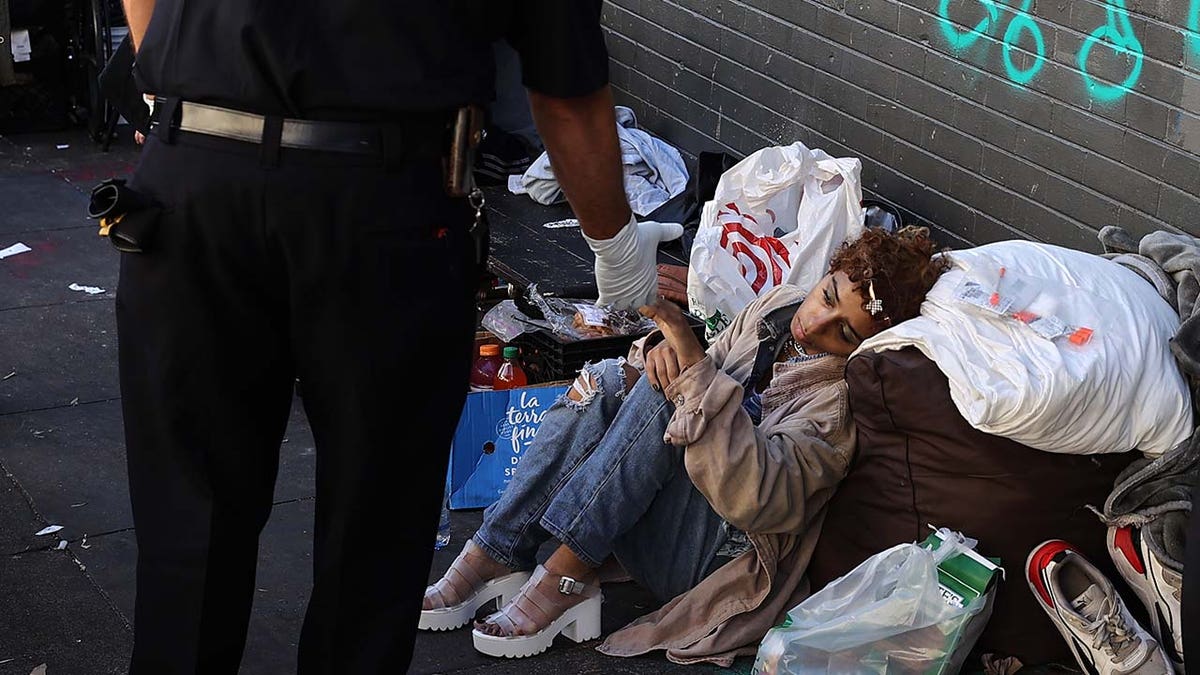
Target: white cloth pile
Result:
[[654, 170]]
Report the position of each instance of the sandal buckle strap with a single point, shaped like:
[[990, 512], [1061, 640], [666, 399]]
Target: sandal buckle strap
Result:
[[569, 586]]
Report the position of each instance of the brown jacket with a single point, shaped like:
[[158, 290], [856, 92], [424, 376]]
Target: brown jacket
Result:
[[772, 481]]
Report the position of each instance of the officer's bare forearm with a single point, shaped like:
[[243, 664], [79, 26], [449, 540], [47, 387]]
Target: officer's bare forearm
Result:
[[137, 17], [581, 136]]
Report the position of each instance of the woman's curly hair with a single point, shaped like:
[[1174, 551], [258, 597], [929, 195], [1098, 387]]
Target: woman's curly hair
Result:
[[899, 267]]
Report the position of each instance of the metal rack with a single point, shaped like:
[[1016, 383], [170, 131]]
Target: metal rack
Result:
[[91, 24]]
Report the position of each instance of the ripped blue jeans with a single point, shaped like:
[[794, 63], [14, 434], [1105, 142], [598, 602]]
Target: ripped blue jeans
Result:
[[599, 479]]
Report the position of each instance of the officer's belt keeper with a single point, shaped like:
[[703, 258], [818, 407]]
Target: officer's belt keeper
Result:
[[128, 219]]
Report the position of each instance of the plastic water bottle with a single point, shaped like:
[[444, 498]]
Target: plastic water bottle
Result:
[[510, 375], [443, 531]]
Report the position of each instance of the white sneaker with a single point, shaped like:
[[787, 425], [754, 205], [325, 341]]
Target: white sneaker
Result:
[[1159, 588], [1091, 617]]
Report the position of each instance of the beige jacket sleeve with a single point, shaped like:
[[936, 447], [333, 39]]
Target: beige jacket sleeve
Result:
[[718, 350], [767, 479]]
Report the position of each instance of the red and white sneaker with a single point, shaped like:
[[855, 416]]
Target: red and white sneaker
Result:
[[1086, 610], [1159, 588]]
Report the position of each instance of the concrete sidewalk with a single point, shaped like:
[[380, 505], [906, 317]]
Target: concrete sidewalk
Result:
[[66, 598]]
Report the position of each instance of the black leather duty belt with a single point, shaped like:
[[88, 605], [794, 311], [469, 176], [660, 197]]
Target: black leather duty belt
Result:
[[345, 137]]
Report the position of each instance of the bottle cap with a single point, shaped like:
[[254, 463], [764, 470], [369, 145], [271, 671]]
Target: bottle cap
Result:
[[489, 350], [512, 352]]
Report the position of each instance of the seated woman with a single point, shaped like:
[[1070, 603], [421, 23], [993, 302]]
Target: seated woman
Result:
[[707, 478]]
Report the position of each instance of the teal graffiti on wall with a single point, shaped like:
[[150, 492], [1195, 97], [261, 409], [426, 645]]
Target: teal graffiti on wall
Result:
[[1194, 26], [961, 40], [1117, 35], [1019, 27], [1022, 34], [1023, 23]]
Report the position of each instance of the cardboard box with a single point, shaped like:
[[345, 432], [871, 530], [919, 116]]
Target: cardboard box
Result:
[[493, 434]]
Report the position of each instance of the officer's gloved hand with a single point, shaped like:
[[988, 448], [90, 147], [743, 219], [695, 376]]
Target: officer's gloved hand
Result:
[[626, 264]]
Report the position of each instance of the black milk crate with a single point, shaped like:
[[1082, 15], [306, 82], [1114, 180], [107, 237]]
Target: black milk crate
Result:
[[548, 357]]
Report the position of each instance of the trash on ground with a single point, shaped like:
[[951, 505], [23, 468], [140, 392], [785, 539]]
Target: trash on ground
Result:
[[75, 506], [920, 606], [8, 376], [63, 146], [90, 290], [515, 186], [560, 224], [507, 321], [75, 401], [14, 250], [62, 545], [49, 529], [83, 543]]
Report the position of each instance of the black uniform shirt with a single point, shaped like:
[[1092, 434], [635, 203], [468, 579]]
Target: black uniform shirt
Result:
[[365, 59]]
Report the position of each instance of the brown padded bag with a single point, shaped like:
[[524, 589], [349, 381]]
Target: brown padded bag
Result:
[[919, 463]]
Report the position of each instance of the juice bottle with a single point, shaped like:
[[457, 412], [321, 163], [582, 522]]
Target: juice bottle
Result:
[[483, 371], [511, 375]]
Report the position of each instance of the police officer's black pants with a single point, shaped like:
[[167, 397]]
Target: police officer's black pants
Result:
[[359, 281]]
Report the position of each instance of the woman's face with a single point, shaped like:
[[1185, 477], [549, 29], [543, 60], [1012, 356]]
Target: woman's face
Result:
[[832, 319]]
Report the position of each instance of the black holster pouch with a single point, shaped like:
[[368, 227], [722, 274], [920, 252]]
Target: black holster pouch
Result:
[[127, 218]]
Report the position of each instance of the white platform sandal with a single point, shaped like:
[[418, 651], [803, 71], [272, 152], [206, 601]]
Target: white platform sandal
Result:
[[502, 589], [534, 606]]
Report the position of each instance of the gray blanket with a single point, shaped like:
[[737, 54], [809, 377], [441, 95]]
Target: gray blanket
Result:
[[1155, 495]]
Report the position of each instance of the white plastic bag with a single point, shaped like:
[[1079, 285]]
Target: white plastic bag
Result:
[[888, 615], [1120, 391], [776, 217]]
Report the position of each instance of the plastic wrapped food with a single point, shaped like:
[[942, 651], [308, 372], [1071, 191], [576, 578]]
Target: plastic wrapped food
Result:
[[583, 320]]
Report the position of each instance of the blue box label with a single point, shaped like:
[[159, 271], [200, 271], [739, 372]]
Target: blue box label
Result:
[[493, 434]]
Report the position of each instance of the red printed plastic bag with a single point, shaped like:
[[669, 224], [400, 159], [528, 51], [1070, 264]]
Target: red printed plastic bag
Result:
[[776, 217]]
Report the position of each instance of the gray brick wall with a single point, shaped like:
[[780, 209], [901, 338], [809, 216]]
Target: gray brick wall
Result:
[[978, 117]]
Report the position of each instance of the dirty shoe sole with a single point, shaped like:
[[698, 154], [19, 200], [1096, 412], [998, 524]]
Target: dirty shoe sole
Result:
[[579, 623], [449, 618]]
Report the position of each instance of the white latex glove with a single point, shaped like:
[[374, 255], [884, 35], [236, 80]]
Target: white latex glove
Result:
[[626, 264]]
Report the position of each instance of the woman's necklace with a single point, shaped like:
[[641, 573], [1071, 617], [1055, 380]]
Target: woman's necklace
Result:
[[792, 350]]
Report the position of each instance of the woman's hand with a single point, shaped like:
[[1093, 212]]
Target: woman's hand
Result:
[[662, 365], [672, 283], [680, 349]]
